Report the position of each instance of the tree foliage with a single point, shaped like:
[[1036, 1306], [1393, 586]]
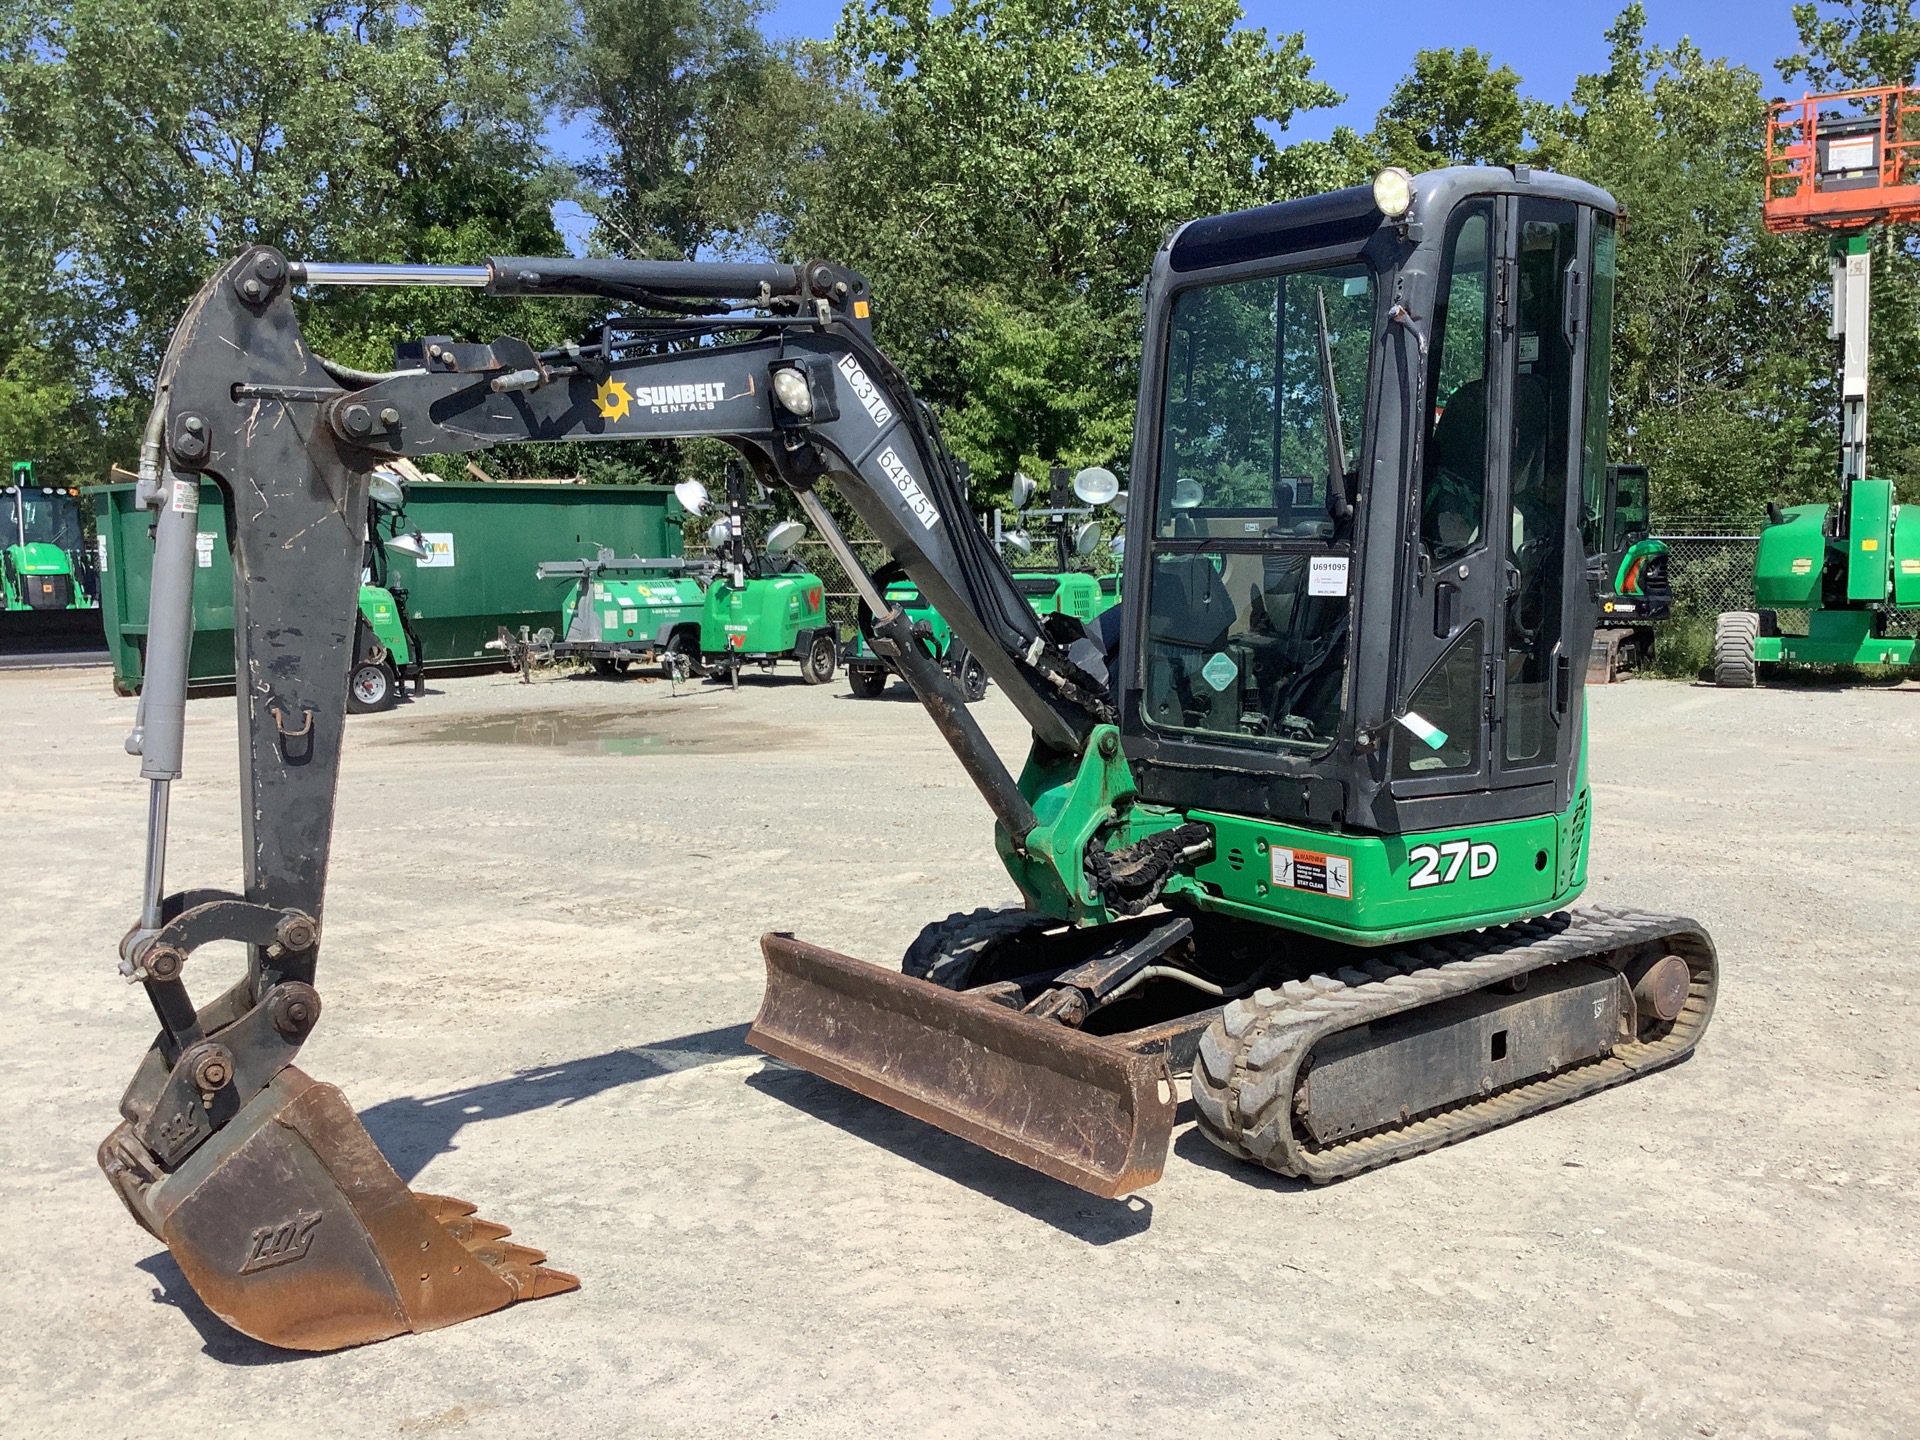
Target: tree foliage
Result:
[[1453, 108], [1004, 173]]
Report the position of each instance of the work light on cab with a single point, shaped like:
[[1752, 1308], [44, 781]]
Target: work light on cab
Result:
[[1393, 192]]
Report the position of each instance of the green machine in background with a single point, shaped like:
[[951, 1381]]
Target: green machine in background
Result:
[[1839, 165], [1627, 570], [763, 606], [1065, 590], [48, 597], [385, 647], [869, 673], [618, 613]]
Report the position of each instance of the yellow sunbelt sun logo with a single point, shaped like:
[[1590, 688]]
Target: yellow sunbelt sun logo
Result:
[[613, 399]]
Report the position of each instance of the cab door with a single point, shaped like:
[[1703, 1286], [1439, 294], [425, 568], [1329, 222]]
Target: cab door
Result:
[[1543, 625], [1440, 745]]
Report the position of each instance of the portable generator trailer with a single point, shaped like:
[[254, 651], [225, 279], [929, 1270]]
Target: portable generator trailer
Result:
[[619, 613], [762, 605], [1310, 827]]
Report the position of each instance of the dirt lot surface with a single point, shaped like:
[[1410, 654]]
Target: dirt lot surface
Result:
[[541, 960]]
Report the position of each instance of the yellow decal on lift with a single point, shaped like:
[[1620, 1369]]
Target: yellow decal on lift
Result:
[[859, 309], [1803, 566], [1869, 544], [612, 400]]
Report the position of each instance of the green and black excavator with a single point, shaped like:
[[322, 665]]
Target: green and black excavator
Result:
[[1302, 817]]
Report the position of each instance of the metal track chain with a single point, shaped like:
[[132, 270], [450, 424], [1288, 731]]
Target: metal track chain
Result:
[[1248, 1065]]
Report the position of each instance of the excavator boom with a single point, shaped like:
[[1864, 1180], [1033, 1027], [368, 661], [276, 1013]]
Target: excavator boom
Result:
[[277, 1204]]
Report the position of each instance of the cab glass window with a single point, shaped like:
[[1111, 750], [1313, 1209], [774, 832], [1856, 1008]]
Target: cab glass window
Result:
[[1244, 426], [1453, 493], [1593, 460], [1247, 613]]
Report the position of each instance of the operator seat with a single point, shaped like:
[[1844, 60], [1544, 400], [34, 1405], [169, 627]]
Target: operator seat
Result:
[[1189, 620]]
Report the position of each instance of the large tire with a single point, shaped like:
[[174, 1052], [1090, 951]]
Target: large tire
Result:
[[1734, 667], [822, 658], [973, 948], [372, 687], [867, 680]]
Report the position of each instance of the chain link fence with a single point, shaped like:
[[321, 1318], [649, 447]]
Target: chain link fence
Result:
[[1710, 565]]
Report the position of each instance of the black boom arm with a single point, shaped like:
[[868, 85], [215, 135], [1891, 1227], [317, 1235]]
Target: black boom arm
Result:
[[776, 360]]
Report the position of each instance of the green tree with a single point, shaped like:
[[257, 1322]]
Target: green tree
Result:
[[1853, 44], [1004, 172], [1723, 379], [1453, 108], [149, 139], [682, 100]]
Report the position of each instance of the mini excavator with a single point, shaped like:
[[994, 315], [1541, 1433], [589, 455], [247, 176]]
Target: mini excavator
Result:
[[1302, 818]]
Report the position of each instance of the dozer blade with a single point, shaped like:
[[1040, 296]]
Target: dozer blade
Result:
[[1069, 1105], [293, 1228]]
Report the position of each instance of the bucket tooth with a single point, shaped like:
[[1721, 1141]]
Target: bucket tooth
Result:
[[293, 1228], [469, 1229], [1081, 1109]]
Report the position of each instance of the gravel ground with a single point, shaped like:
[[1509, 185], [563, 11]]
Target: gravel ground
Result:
[[541, 960]]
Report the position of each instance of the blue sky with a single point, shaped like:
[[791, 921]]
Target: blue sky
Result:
[[1362, 47], [1549, 42]]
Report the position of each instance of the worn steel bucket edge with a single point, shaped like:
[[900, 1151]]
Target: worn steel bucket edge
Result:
[[292, 1227], [1081, 1109]]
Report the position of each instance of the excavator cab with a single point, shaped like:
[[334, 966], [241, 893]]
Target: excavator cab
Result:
[[1365, 437]]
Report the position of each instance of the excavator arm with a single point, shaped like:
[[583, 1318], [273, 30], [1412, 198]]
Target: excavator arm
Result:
[[276, 1203]]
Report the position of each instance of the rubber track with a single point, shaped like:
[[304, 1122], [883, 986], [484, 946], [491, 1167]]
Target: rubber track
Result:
[[1247, 1069]]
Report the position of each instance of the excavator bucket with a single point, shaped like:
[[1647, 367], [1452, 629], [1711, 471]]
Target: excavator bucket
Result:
[[293, 1228], [1071, 1105]]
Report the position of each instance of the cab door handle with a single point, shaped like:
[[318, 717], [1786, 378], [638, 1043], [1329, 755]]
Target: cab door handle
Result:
[[1444, 595]]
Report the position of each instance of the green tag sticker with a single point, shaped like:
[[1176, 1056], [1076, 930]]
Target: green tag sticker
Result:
[[1433, 737], [1219, 671]]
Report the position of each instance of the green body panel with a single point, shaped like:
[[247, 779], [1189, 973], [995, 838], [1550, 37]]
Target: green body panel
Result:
[[1626, 579], [40, 558], [1358, 889], [1906, 556], [1074, 593], [382, 615], [1396, 888], [1836, 637], [1870, 542], [495, 536], [633, 611], [764, 616], [1786, 570]]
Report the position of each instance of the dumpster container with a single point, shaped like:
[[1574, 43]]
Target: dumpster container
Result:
[[486, 542]]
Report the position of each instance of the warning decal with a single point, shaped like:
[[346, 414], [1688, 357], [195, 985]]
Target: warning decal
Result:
[[1316, 874]]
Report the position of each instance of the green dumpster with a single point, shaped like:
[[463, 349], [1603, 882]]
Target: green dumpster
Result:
[[486, 541]]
